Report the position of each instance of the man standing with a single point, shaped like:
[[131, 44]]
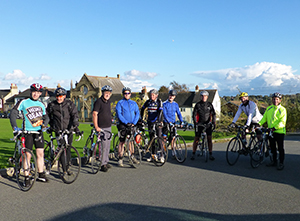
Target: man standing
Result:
[[63, 115], [102, 121], [128, 114], [155, 114], [203, 113], [34, 116], [276, 116]]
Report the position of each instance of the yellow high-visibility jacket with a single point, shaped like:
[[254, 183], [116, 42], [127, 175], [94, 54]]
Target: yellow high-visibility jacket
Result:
[[275, 116]]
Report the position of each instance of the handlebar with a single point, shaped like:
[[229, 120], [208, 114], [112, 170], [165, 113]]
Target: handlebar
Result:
[[101, 132]]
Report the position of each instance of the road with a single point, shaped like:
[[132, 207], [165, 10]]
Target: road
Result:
[[194, 190]]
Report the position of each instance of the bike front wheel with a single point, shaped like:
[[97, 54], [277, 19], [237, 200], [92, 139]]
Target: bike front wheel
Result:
[[116, 142], [205, 149], [160, 155], [69, 164], [96, 158], [233, 151], [25, 169], [136, 156], [180, 149], [257, 155]]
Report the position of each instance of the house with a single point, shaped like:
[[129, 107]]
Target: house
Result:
[[88, 90], [5, 95]]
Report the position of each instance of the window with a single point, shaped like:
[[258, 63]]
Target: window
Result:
[[182, 109]]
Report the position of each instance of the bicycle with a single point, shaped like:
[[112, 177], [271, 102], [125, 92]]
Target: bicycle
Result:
[[24, 161], [178, 143], [92, 151], [132, 140], [237, 146], [262, 149], [160, 155], [202, 145], [68, 164]]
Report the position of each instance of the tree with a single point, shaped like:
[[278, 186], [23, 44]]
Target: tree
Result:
[[179, 87], [163, 89]]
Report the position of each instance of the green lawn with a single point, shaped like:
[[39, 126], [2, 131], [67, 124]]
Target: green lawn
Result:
[[7, 146]]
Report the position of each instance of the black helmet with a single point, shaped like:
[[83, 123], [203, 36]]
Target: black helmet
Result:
[[106, 88], [126, 89], [172, 92], [60, 91], [277, 95], [36, 87]]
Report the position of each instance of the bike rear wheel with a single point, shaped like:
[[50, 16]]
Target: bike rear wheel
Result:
[[48, 156], [137, 156], [180, 149], [25, 170], [233, 151], [97, 157], [116, 142], [205, 149], [257, 155], [69, 164], [160, 151]]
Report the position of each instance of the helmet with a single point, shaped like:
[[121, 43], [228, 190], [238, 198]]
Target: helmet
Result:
[[153, 91], [277, 95], [243, 94], [172, 92], [106, 88], [204, 93], [126, 89], [60, 91], [36, 87]]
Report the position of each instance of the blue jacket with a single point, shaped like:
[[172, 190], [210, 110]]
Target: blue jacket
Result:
[[128, 111], [170, 110]]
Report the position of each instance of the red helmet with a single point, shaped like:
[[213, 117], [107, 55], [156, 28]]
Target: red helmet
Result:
[[36, 87]]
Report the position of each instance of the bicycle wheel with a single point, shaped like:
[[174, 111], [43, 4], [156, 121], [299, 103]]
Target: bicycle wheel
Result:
[[205, 149], [200, 147], [48, 156], [25, 170], [69, 164], [180, 149], [137, 156], [233, 151], [87, 151], [96, 158], [142, 143], [160, 151], [116, 146], [257, 155]]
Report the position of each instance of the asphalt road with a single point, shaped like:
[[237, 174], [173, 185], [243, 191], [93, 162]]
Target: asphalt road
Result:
[[194, 190]]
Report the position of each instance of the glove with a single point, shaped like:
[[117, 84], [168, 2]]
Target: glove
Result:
[[128, 124], [16, 130], [77, 131], [232, 125], [171, 124], [182, 124]]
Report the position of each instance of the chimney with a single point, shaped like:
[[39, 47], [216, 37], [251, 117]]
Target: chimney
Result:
[[197, 88], [58, 85], [144, 90], [13, 89], [118, 76]]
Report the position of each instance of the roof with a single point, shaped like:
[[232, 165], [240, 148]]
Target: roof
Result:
[[4, 93]]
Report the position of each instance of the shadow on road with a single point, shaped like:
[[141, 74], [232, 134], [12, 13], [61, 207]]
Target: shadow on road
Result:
[[121, 211]]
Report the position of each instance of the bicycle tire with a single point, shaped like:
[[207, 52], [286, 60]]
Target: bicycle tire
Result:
[[116, 146], [205, 149], [160, 153], [70, 171], [20, 171], [257, 155], [180, 149], [48, 156], [233, 151], [143, 145], [97, 157], [137, 155], [87, 151]]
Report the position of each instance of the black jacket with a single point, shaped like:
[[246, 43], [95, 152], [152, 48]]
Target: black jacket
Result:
[[62, 116], [205, 113]]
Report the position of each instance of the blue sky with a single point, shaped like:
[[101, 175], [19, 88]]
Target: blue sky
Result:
[[253, 45]]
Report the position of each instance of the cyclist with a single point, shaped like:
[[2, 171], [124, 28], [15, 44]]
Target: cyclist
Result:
[[128, 114], [102, 121], [276, 116], [203, 113], [63, 115], [155, 109], [170, 109], [34, 117], [252, 112]]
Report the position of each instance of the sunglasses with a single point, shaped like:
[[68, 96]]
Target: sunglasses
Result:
[[126, 93], [60, 96]]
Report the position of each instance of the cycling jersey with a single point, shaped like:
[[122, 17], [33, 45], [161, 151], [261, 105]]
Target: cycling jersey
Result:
[[127, 111], [154, 110], [252, 112], [203, 111], [170, 110], [275, 116], [33, 113]]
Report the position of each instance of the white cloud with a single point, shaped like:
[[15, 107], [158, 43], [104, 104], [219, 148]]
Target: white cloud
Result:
[[137, 79], [44, 77], [135, 74], [260, 78]]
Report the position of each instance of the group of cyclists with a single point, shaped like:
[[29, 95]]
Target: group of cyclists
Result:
[[62, 114]]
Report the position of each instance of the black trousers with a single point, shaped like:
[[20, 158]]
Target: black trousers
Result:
[[279, 139]]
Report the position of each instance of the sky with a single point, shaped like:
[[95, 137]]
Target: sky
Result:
[[232, 45]]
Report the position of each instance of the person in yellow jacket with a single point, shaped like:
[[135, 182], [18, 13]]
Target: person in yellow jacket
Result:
[[276, 116]]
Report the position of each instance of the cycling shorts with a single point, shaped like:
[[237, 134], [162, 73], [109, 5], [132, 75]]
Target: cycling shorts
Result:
[[123, 132], [199, 129], [30, 140]]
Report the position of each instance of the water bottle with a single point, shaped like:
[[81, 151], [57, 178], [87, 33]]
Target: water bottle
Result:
[[93, 146]]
